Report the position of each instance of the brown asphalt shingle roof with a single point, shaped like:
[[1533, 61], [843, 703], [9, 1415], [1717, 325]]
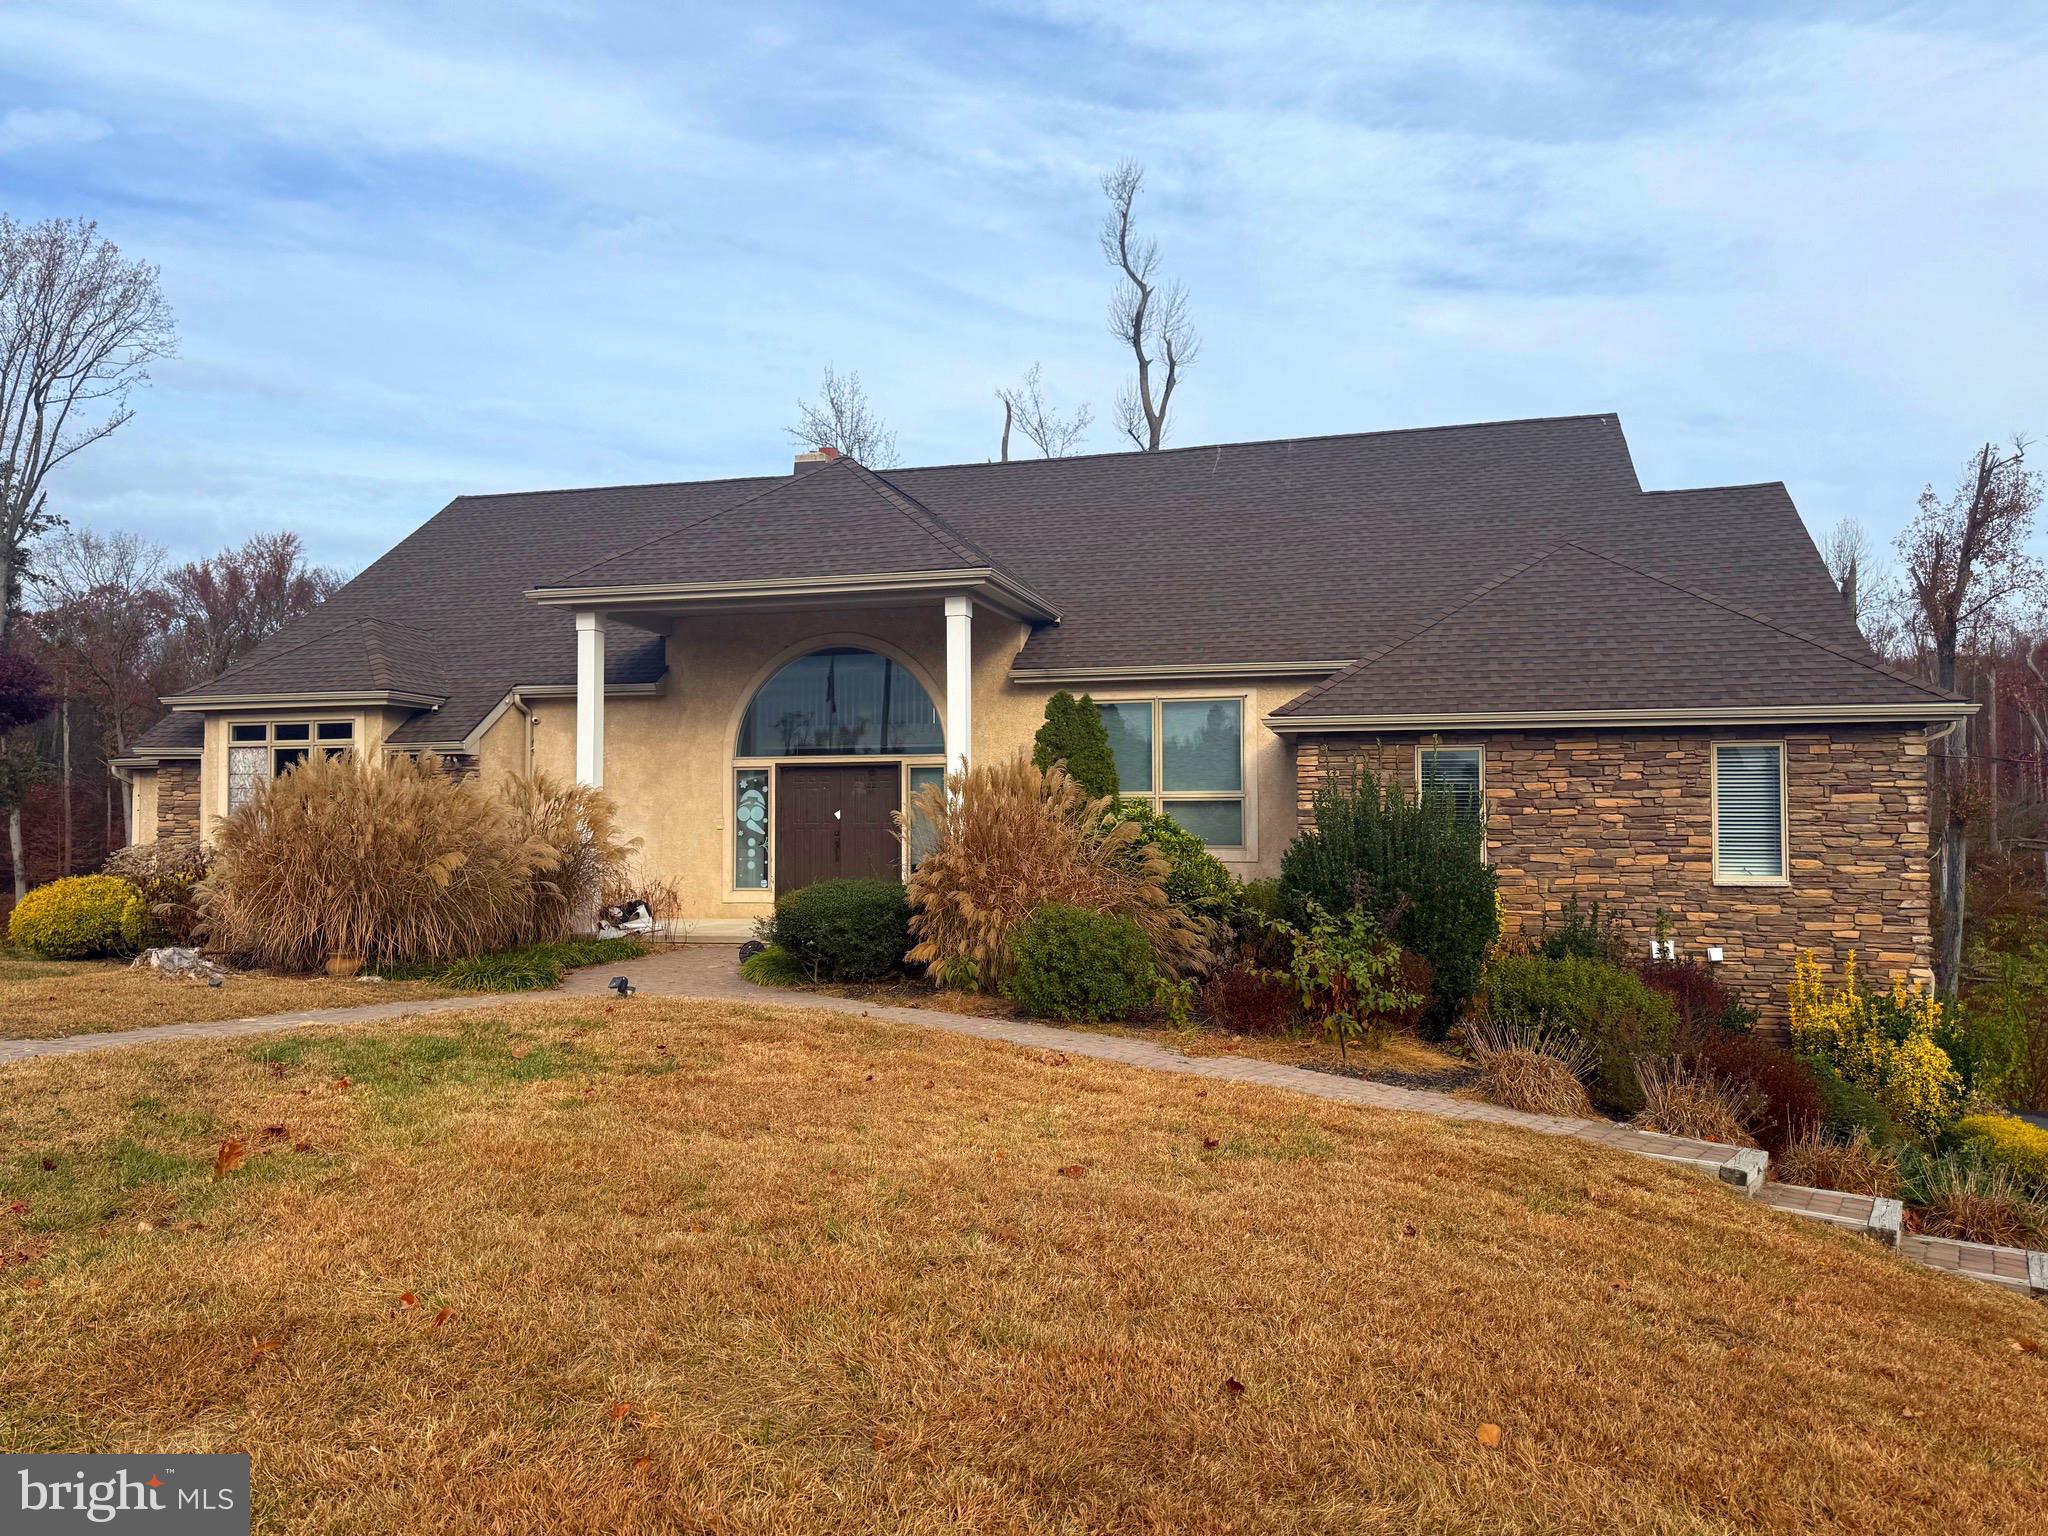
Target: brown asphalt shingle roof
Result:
[[1531, 640], [1300, 549]]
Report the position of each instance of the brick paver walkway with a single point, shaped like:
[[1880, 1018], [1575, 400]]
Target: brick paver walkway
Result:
[[710, 971]]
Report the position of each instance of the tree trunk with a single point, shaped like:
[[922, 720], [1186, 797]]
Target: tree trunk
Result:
[[64, 775], [1992, 762], [1008, 412], [14, 851], [1948, 955]]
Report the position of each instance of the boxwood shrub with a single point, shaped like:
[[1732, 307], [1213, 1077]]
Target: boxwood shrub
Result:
[[1608, 1008], [844, 930], [77, 918], [1084, 966]]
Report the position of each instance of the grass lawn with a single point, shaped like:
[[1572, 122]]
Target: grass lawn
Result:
[[43, 998], [675, 1266]]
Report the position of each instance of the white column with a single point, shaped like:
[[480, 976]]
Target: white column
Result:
[[959, 680], [590, 698]]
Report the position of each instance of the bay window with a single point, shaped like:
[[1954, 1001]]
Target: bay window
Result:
[[261, 750]]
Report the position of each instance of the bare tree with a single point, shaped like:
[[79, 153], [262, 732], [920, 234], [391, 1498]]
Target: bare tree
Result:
[[105, 610], [1147, 314], [79, 326], [1969, 570], [1847, 554], [842, 418], [1055, 436], [221, 607]]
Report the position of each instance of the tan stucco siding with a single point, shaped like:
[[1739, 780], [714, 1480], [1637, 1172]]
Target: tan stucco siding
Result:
[[142, 808], [668, 758]]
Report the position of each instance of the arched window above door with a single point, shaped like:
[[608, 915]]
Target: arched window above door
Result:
[[841, 702]]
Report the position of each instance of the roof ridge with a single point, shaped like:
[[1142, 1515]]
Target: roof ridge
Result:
[[925, 518], [1702, 490], [624, 485], [1461, 604], [777, 482], [1869, 662]]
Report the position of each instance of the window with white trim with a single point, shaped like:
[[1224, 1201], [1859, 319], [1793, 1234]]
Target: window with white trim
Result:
[[1459, 772], [261, 750], [1185, 759], [1749, 813]]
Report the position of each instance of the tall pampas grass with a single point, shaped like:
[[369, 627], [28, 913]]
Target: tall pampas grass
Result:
[[398, 861], [1008, 839], [574, 831]]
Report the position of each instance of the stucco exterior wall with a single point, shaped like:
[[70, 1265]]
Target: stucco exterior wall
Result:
[[668, 759], [142, 806], [1627, 819]]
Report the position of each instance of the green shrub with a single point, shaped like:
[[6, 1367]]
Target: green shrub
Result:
[[77, 918], [1411, 864], [2011, 1143], [1074, 734], [1987, 1035], [1847, 1107], [533, 967], [1196, 879], [1609, 1009], [167, 875], [1349, 976], [1585, 933], [844, 930], [773, 966], [1071, 963]]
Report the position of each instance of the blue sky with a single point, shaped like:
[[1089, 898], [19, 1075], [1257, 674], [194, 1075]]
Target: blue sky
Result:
[[422, 249]]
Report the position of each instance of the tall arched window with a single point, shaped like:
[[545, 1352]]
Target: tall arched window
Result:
[[796, 818], [841, 702]]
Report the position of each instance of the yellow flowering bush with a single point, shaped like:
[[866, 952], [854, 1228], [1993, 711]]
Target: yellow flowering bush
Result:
[[1882, 1041]]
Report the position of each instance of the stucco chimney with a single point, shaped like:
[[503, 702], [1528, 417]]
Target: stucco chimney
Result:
[[814, 458]]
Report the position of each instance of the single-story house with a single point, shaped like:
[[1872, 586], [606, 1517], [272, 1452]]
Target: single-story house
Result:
[[1659, 696]]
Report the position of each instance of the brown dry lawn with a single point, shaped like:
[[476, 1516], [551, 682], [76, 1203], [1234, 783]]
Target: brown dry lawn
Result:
[[40, 999], [682, 1266]]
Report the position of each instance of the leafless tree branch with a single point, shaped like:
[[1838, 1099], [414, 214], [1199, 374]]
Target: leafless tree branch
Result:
[[1054, 435], [841, 418], [1148, 316]]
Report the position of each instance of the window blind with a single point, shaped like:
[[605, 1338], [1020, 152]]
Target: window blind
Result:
[[1749, 818]]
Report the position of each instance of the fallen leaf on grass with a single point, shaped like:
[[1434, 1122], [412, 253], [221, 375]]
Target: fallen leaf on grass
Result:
[[302, 1146], [1054, 1058], [441, 1317], [49, 1165], [264, 1347], [277, 1069], [1408, 1229], [20, 1208], [341, 1082], [642, 1463], [1210, 1143], [273, 1130], [408, 1300], [1233, 1386], [1488, 1435], [2027, 1346], [229, 1157], [619, 1411], [1074, 1171]]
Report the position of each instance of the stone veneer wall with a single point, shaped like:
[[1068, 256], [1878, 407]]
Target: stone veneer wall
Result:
[[1625, 817], [177, 802]]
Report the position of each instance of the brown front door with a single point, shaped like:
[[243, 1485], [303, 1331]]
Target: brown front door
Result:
[[835, 823]]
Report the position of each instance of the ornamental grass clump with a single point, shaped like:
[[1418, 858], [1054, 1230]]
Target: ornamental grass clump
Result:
[[1009, 838], [1683, 1097], [584, 852], [1962, 1196], [1538, 1070], [394, 862], [1854, 1164], [1883, 1042]]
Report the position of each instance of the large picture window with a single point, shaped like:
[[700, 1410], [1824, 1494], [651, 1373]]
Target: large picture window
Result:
[[841, 702], [1749, 813], [261, 750], [1185, 758]]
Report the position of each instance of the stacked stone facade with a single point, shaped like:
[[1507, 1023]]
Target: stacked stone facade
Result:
[[1625, 818], [177, 802]]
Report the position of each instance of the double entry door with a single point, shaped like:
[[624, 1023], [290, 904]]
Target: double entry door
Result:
[[835, 822]]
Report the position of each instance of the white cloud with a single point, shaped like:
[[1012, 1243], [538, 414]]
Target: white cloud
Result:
[[23, 128]]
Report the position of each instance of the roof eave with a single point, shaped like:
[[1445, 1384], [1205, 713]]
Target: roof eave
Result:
[[1524, 719], [1176, 672], [343, 698], [984, 582]]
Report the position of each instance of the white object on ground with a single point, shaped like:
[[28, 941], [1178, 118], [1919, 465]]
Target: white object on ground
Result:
[[182, 964]]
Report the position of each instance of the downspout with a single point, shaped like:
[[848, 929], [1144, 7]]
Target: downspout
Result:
[[125, 777]]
